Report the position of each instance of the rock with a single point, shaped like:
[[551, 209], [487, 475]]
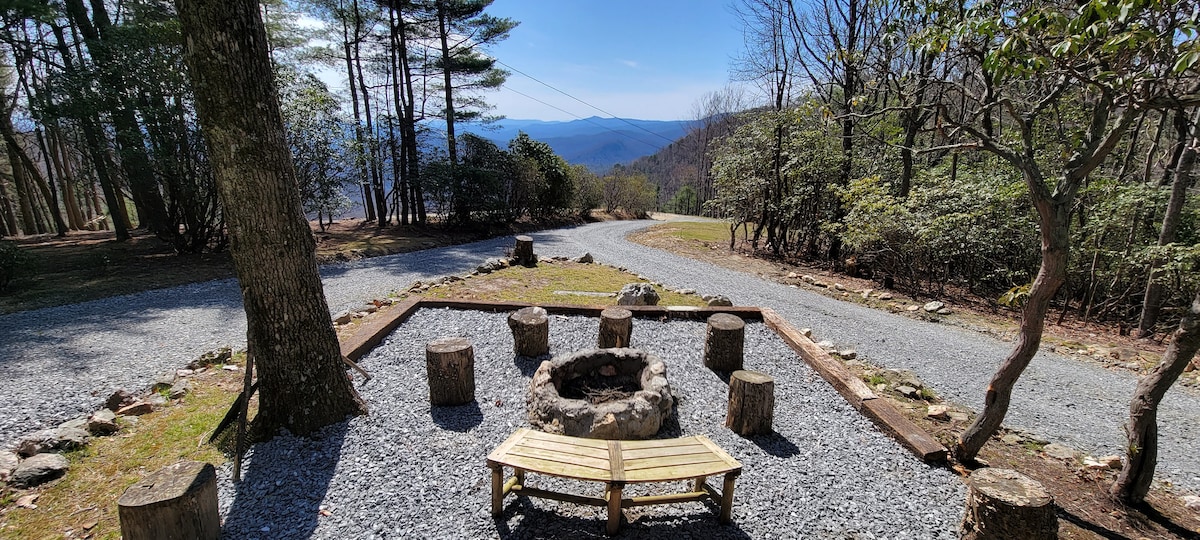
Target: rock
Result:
[[219, 356], [826, 344], [491, 265], [1094, 464], [808, 279], [807, 332], [848, 354], [1059, 451], [839, 286], [866, 294], [136, 409], [886, 296], [103, 422], [343, 317], [370, 309], [792, 275], [686, 291], [118, 399], [39, 469], [938, 412], [907, 391], [53, 440], [184, 372], [76, 423], [913, 308], [8, 463], [933, 306], [586, 258], [229, 367], [163, 382], [637, 294], [959, 416], [179, 389], [881, 387], [944, 311], [28, 502], [157, 400], [1192, 502], [1112, 462], [1012, 438], [720, 301]]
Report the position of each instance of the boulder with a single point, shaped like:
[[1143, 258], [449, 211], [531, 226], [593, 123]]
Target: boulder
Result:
[[118, 399], [718, 300], [77, 423], [907, 391], [933, 306], [1012, 438], [586, 258], [52, 440], [839, 286], [637, 294], [157, 400], [179, 389], [491, 265], [219, 356], [938, 412], [39, 469], [959, 417], [8, 464], [136, 409], [162, 382], [1059, 451], [343, 317], [848, 354], [103, 422]]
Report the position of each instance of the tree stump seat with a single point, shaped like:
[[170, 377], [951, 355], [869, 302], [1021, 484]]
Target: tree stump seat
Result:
[[531, 331], [178, 501], [614, 463], [616, 328], [751, 403], [1003, 504], [450, 367], [724, 341]]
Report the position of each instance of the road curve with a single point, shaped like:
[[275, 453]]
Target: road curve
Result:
[[60, 362]]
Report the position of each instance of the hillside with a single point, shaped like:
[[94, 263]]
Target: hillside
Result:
[[598, 143]]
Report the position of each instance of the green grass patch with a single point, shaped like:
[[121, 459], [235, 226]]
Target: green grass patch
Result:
[[87, 495], [707, 231], [538, 285]]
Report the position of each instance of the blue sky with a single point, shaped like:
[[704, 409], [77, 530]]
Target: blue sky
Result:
[[648, 59]]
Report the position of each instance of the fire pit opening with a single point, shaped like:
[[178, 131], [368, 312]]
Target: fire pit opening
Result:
[[602, 394]]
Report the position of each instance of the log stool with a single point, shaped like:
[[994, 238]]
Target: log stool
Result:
[[616, 326], [523, 251], [531, 331], [179, 501], [723, 342], [450, 366], [751, 403], [1003, 503]]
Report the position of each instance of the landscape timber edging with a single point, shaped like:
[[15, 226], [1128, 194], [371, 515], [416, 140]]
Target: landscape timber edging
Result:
[[853, 390]]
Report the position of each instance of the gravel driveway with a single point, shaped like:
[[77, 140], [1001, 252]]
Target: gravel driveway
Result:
[[60, 362]]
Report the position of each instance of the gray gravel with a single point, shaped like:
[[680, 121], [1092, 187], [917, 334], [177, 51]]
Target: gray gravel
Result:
[[59, 362], [406, 471]]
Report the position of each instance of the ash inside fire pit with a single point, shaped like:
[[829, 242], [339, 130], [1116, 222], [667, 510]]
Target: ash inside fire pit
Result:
[[602, 394]]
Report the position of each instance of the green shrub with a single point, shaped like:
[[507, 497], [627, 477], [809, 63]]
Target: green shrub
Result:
[[11, 258]]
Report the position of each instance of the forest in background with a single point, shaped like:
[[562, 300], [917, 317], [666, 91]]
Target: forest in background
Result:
[[942, 144]]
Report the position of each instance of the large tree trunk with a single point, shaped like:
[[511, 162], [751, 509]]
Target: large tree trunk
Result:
[[302, 383], [1152, 299], [1133, 483], [1054, 215], [373, 161]]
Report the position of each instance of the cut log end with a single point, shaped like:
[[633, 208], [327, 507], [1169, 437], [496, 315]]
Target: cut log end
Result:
[[450, 368], [616, 328], [1003, 503], [724, 342], [751, 403], [178, 501]]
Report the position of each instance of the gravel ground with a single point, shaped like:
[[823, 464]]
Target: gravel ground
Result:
[[406, 471], [59, 362]]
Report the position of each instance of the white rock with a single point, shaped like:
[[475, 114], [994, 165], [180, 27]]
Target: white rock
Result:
[[913, 308], [1113, 462], [938, 412], [1192, 502], [839, 286], [933, 306], [1059, 451], [848, 354], [907, 391], [885, 296], [230, 367]]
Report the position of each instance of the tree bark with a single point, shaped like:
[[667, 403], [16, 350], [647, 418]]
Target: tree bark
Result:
[[450, 368], [751, 408], [178, 501], [302, 383], [1133, 482], [724, 342], [531, 331], [616, 327], [1003, 504], [1054, 213], [523, 251], [1152, 299]]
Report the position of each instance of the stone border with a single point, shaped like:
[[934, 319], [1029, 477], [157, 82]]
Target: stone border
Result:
[[856, 393]]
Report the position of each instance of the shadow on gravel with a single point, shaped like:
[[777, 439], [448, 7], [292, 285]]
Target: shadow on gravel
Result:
[[461, 418], [775, 444], [528, 364], [534, 522], [285, 505]]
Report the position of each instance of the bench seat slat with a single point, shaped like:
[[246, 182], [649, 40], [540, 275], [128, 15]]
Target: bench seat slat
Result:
[[674, 472], [639, 453], [670, 461], [559, 457], [577, 441], [554, 468], [573, 449]]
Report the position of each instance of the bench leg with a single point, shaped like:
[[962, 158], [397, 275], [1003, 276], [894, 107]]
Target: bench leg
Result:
[[698, 483], [614, 507], [727, 499], [497, 491]]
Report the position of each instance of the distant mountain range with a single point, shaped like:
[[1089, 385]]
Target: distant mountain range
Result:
[[598, 143]]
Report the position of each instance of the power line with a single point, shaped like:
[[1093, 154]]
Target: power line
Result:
[[615, 117]]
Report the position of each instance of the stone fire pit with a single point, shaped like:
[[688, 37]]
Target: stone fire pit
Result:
[[601, 394]]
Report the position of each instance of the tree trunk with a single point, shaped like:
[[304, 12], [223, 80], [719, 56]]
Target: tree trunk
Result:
[[751, 403], [523, 251], [724, 342], [1134, 480], [616, 327], [1003, 504], [1054, 222], [302, 383], [363, 175], [531, 331], [1152, 299], [450, 368], [372, 149], [179, 501]]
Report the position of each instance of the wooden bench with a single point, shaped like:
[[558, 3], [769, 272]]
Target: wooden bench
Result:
[[615, 463]]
